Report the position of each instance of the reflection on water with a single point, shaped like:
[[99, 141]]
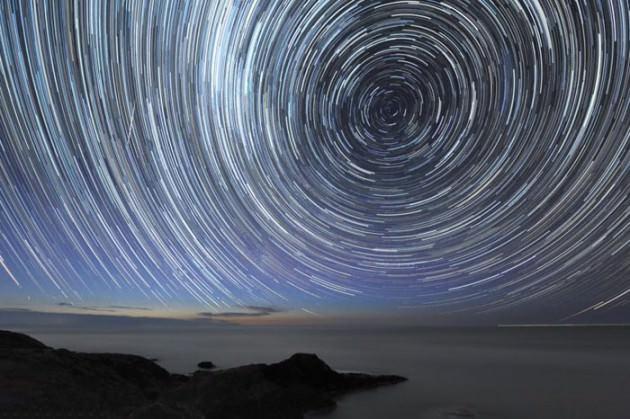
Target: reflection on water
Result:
[[524, 373]]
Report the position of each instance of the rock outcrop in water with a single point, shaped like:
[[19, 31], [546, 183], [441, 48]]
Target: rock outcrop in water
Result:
[[206, 365], [39, 381]]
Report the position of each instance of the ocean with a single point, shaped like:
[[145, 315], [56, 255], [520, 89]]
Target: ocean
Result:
[[454, 373]]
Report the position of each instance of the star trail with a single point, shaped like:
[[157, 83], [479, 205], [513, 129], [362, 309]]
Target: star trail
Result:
[[459, 154]]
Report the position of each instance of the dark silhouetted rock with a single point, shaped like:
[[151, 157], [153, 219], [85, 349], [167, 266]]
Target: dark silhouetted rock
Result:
[[12, 340], [37, 381], [159, 410], [285, 390], [309, 370], [206, 365]]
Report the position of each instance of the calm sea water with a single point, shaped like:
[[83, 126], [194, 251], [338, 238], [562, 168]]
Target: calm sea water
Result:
[[530, 373]]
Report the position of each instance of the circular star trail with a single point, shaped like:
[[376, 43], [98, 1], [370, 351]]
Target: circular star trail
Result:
[[472, 153]]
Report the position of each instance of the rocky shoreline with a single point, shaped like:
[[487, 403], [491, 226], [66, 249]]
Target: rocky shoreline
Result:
[[39, 381]]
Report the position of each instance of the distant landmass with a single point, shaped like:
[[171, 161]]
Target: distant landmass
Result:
[[39, 381], [565, 325]]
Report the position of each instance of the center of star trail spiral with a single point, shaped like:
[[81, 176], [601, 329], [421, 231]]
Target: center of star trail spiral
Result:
[[416, 152]]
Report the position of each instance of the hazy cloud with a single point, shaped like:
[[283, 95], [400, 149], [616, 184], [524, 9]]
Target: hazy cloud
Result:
[[33, 320], [118, 307], [248, 311], [106, 309], [85, 308]]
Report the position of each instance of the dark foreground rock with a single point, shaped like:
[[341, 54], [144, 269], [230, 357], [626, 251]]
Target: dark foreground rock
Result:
[[39, 381]]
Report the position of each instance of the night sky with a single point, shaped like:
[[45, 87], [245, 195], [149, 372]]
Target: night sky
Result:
[[318, 158]]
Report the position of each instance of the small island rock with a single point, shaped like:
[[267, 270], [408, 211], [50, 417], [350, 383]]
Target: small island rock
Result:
[[206, 365]]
